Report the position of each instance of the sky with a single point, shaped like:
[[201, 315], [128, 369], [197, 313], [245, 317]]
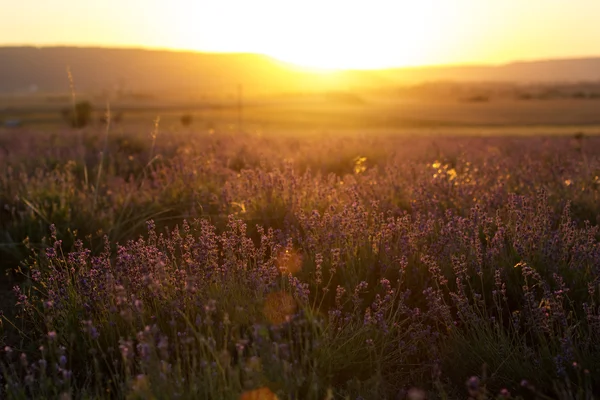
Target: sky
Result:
[[319, 33]]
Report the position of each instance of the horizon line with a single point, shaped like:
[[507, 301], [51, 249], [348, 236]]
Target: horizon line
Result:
[[206, 52]]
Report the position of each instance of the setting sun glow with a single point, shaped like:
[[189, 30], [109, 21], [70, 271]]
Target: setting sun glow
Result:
[[330, 34]]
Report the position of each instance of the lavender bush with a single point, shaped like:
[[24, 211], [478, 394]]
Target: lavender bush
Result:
[[251, 267]]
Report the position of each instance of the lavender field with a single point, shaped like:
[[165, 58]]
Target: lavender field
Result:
[[173, 263]]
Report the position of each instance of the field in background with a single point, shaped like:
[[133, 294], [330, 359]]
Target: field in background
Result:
[[431, 107]]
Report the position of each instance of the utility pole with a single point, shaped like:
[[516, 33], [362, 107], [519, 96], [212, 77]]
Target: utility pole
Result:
[[239, 107]]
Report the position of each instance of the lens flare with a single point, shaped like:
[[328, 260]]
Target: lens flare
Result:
[[289, 261], [279, 307], [263, 393]]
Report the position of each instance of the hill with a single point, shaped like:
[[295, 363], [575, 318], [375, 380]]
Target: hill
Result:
[[24, 69]]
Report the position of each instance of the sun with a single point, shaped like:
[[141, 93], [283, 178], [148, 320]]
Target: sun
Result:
[[325, 34], [349, 36]]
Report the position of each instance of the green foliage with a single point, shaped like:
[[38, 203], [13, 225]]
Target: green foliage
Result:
[[80, 116], [187, 119]]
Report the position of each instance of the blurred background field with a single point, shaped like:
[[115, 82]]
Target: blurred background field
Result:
[[38, 86]]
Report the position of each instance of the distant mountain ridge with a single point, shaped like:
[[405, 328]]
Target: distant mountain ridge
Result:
[[542, 71], [44, 69]]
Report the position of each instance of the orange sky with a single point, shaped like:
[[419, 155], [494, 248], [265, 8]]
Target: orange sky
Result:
[[320, 33]]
